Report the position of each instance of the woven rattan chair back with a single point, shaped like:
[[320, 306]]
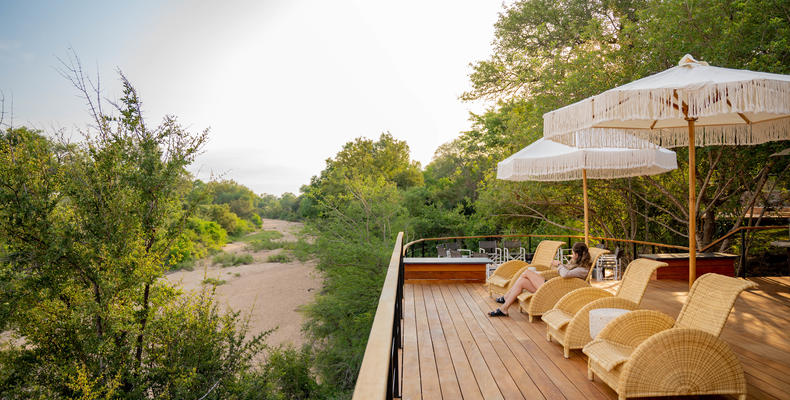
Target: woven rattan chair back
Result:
[[637, 276], [709, 302], [595, 254], [545, 252]]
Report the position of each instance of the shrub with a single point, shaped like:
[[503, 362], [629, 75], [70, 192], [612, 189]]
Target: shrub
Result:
[[279, 258], [263, 244], [262, 235], [213, 281], [301, 249], [199, 239], [232, 259]]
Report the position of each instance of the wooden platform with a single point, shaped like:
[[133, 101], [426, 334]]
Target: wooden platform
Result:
[[452, 350]]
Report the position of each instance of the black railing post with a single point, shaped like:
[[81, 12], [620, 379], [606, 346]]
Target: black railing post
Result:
[[422, 249], [743, 253], [634, 249], [529, 244], [569, 242], [654, 249], [393, 378]]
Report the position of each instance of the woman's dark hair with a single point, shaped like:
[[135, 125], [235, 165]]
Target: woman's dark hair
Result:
[[582, 255]]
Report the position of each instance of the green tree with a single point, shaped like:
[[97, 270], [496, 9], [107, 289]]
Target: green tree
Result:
[[240, 199], [550, 54], [86, 229], [387, 158]]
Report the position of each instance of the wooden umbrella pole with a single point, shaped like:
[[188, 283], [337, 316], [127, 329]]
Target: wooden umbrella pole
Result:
[[692, 205], [586, 209]]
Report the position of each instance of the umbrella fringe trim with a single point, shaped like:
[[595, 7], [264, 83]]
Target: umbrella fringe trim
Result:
[[757, 133], [599, 165], [754, 96]]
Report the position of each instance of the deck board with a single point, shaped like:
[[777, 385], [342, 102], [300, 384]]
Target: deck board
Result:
[[520, 344], [499, 370], [506, 353], [463, 369], [452, 349], [485, 379], [411, 362], [429, 375], [447, 378]]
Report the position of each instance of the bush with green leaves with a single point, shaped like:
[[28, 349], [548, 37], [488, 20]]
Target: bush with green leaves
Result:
[[199, 239], [213, 281], [286, 375], [230, 222], [232, 259], [301, 249], [279, 258]]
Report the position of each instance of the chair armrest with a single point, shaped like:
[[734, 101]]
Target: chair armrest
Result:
[[574, 301], [552, 291], [578, 331], [631, 329], [540, 267], [549, 274], [508, 269]]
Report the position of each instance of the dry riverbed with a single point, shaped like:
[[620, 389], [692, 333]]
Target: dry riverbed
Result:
[[271, 294]]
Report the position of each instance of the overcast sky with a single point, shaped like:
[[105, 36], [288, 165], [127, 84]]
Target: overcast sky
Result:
[[282, 84]]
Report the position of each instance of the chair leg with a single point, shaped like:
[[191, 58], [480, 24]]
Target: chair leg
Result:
[[548, 336], [566, 352], [590, 374], [530, 317]]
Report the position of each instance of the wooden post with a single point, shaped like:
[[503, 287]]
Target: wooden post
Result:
[[586, 209], [743, 254], [692, 205]]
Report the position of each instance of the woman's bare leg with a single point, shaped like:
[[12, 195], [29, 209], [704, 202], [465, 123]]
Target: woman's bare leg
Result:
[[523, 283], [536, 279]]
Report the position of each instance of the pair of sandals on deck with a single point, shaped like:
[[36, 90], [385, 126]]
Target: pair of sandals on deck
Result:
[[498, 312]]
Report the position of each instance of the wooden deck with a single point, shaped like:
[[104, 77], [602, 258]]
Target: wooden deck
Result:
[[453, 350]]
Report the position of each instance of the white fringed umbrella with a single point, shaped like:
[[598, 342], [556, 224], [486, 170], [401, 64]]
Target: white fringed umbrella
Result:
[[545, 160], [692, 103]]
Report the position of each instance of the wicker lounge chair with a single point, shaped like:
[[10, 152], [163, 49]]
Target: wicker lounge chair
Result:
[[569, 321], [506, 274], [647, 353], [544, 299], [499, 281]]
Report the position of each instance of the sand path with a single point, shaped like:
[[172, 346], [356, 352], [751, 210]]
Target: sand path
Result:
[[270, 293]]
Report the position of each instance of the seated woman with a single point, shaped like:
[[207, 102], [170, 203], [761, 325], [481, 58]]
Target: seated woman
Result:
[[530, 280]]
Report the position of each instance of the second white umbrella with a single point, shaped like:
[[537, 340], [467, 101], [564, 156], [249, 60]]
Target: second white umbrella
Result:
[[545, 160]]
